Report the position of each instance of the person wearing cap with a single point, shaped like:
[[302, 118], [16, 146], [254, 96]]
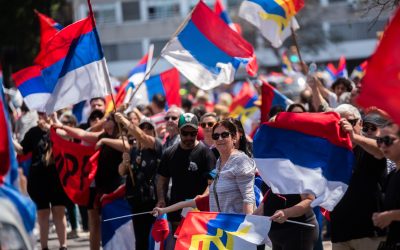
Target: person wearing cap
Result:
[[363, 196], [187, 164], [143, 161]]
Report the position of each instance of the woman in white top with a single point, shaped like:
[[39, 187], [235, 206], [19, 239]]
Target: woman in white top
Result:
[[233, 188]]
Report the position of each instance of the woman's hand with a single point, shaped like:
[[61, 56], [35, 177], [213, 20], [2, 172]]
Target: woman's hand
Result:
[[279, 216], [382, 220], [157, 211]]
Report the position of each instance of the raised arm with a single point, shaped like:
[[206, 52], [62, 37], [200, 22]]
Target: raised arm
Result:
[[78, 133]]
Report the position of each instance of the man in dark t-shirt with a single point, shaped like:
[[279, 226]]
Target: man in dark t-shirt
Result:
[[187, 163], [351, 219]]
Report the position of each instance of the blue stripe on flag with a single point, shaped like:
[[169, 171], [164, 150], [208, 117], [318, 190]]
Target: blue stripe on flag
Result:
[[84, 50], [279, 99], [138, 69], [306, 151], [154, 86], [33, 86], [270, 7], [201, 48]]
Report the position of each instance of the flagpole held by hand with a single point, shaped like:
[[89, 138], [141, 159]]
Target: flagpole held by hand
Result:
[[129, 215]]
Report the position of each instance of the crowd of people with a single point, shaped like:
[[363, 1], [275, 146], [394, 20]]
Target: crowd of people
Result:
[[173, 157]]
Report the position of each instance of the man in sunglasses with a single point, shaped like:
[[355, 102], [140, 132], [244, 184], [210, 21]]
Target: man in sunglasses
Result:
[[171, 118], [389, 143], [363, 195], [187, 163]]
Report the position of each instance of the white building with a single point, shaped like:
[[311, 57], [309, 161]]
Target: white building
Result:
[[128, 27]]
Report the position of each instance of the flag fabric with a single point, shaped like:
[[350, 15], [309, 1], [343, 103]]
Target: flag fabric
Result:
[[48, 28], [210, 230], [220, 10], [32, 87], [340, 71], [24, 162], [119, 233], [286, 65], [205, 56], [159, 233], [305, 153], [76, 165], [359, 71], [73, 66], [9, 172], [273, 18], [271, 97], [244, 107], [381, 83]]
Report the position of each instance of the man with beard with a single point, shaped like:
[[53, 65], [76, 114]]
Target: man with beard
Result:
[[187, 163]]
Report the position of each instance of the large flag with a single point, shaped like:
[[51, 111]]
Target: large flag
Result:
[[244, 107], [9, 188], [305, 153], [271, 97], [73, 66], [381, 83], [209, 230], [76, 165], [118, 233], [273, 18], [32, 87], [207, 51], [48, 28]]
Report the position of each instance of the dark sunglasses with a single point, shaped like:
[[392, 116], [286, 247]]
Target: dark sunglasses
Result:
[[387, 140], [367, 127], [353, 122], [146, 126], [187, 133], [66, 122], [167, 118], [207, 124], [223, 135]]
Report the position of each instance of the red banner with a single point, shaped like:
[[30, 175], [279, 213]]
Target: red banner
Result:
[[76, 165]]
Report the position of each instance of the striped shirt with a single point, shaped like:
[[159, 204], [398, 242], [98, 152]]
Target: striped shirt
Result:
[[235, 184]]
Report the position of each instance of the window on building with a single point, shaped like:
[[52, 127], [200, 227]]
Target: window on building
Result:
[[131, 11], [158, 46], [354, 31], [105, 13], [163, 9], [123, 51], [129, 51]]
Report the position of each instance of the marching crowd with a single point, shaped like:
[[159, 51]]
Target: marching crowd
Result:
[[197, 156]]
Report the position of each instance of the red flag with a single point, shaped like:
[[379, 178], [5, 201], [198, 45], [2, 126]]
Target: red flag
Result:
[[48, 28], [381, 83], [76, 165]]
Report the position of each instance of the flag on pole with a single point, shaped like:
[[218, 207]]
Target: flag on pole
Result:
[[210, 230], [159, 233], [244, 107], [220, 10], [9, 187], [305, 153], [119, 233], [270, 97], [359, 71], [340, 71], [73, 66], [381, 83], [207, 52], [273, 18], [48, 28], [32, 87]]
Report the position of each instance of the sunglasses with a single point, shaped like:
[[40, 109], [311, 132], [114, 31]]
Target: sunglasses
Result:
[[173, 118], [146, 126], [387, 140], [367, 127], [223, 135], [188, 133], [353, 122], [66, 122], [207, 124]]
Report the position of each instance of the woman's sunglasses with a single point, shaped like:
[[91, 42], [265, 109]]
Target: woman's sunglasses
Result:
[[207, 124], [367, 127], [387, 140], [223, 135], [353, 122]]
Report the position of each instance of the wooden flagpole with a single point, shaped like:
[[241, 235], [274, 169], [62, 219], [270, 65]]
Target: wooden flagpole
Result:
[[303, 65]]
